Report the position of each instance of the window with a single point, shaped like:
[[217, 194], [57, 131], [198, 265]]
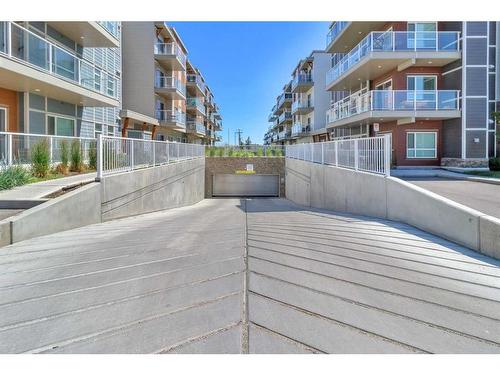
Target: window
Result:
[[3, 119], [60, 126], [421, 145], [422, 35], [421, 83]]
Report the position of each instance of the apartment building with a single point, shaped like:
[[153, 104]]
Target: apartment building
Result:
[[298, 115], [431, 85], [164, 95], [60, 78]]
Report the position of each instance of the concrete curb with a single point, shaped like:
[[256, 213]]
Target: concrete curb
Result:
[[345, 190]]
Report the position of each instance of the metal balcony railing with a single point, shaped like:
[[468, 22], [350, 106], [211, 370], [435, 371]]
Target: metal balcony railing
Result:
[[299, 128], [194, 125], [111, 27], [394, 100], [335, 30], [195, 78], [286, 115], [197, 103], [24, 46], [172, 49], [171, 83], [301, 78], [395, 41], [284, 97], [301, 104], [166, 115]]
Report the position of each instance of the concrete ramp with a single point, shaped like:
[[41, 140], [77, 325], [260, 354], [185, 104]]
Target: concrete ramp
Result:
[[247, 276]]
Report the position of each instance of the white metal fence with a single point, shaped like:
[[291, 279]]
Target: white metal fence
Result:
[[361, 154], [116, 154], [16, 148]]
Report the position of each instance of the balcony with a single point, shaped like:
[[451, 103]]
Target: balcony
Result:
[[285, 117], [302, 82], [170, 56], [343, 35], [382, 52], [195, 81], [90, 33], [31, 63], [195, 126], [170, 88], [196, 103], [299, 129], [172, 119], [272, 116], [302, 107], [285, 100], [404, 106]]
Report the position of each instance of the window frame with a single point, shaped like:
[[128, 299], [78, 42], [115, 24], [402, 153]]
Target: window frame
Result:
[[414, 148]]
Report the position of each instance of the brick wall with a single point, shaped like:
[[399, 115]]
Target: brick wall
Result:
[[229, 165]]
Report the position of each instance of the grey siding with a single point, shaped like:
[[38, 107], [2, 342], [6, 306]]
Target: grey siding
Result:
[[476, 51], [476, 81], [473, 149], [477, 28], [452, 138], [476, 113]]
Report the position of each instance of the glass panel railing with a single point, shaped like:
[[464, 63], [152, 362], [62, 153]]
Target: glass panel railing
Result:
[[394, 100], [335, 30], [301, 78], [301, 104], [196, 102], [31, 49], [171, 83], [195, 125], [170, 49], [195, 78], [110, 26], [397, 41], [164, 115]]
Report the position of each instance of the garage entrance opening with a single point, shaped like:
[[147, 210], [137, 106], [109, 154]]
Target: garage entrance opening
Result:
[[245, 185]]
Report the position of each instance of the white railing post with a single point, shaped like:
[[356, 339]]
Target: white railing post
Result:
[[356, 154], [154, 152], [322, 152], [131, 154], [9, 149], [51, 150], [9, 38], [387, 154], [336, 143], [100, 162]]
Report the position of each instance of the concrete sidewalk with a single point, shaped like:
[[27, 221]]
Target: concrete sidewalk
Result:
[[443, 173], [39, 190]]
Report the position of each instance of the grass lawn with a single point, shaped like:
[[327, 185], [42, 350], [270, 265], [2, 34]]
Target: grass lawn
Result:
[[491, 174]]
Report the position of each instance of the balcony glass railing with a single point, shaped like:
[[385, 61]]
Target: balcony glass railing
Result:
[[287, 96], [335, 30], [287, 115], [301, 78], [110, 26], [196, 103], [28, 48], [195, 78], [172, 49], [395, 41], [299, 128], [171, 83], [301, 104], [165, 115], [394, 100], [195, 125]]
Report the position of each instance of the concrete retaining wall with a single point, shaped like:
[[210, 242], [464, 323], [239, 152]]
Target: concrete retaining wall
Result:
[[153, 189], [120, 195], [71, 210], [390, 198]]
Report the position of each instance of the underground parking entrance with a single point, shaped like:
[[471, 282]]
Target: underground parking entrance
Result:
[[245, 176]]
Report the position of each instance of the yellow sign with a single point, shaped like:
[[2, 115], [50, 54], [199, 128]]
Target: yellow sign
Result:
[[245, 172]]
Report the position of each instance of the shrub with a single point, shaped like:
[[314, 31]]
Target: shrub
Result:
[[230, 152], [268, 151], [212, 151], [259, 152], [76, 156], [220, 151], [13, 176], [494, 164], [279, 152], [40, 159], [93, 158]]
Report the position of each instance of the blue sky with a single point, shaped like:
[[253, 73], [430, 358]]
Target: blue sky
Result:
[[246, 65]]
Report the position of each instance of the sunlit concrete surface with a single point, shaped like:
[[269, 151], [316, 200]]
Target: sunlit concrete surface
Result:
[[238, 276]]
